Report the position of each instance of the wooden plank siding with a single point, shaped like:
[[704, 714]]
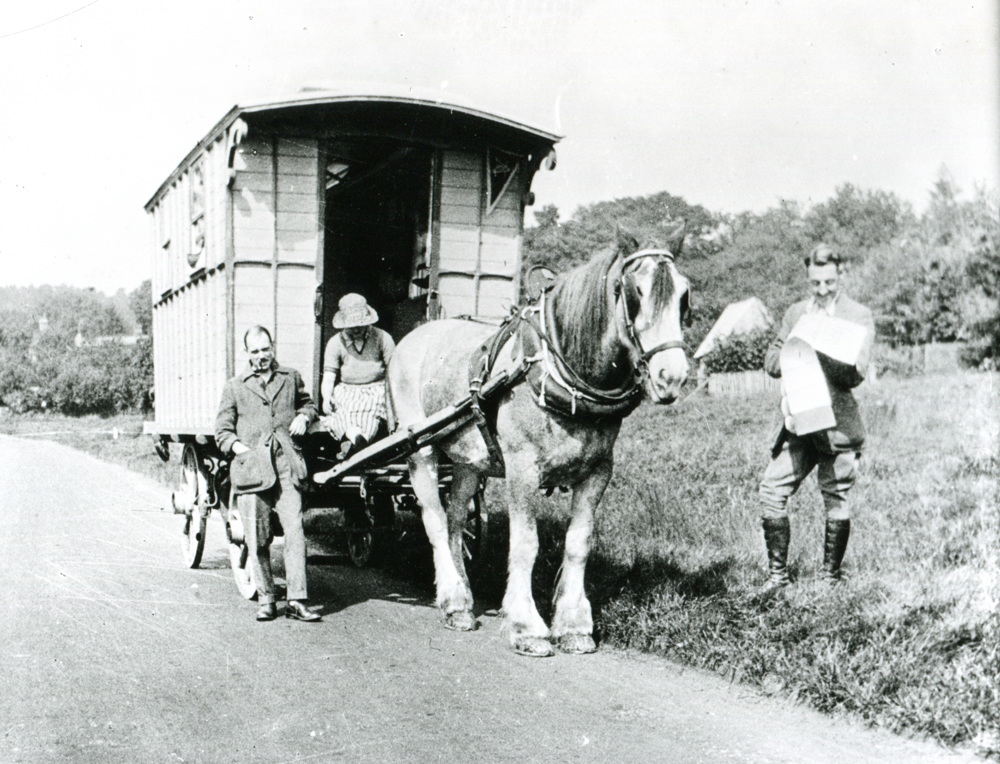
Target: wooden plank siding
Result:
[[461, 212], [253, 204], [189, 354], [276, 245], [295, 322], [479, 254], [174, 230]]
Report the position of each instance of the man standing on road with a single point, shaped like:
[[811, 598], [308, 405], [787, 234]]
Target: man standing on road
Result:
[[264, 405], [832, 446]]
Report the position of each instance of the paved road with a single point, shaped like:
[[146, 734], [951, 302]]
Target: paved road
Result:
[[111, 650]]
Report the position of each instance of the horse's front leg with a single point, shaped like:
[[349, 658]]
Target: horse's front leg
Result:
[[573, 624], [454, 596], [526, 631]]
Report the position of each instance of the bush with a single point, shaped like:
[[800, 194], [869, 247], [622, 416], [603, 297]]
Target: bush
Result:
[[905, 361], [103, 379], [739, 352], [82, 389]]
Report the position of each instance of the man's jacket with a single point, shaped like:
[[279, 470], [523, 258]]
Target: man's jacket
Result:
[[849, 434], [251, 413]]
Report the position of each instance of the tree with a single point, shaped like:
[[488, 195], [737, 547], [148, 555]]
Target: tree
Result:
[[140, 301], [855, 220]]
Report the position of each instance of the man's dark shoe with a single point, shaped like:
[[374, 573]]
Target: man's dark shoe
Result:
[[300, 612], [267, 612]]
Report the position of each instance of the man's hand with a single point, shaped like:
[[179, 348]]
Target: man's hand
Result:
[[329, 407], [299, 425], [240, 448]]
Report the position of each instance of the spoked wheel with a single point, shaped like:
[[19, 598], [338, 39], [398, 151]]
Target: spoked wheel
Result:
[[191, 500], [367, 528], [361, 545], [239, 553], [474, 541]]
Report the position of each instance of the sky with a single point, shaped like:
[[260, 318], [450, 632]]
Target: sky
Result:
[[731, 105]]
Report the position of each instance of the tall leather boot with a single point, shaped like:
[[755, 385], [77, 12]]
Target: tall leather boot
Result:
[[777, 533], [834, 546]]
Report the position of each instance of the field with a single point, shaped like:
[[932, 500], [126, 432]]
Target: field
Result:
[[910, 641]]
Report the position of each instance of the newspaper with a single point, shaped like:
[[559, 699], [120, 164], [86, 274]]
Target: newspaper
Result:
[[806, 401], [834, 337]]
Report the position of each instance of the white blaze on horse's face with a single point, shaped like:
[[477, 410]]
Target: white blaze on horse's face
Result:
[[668, 368]]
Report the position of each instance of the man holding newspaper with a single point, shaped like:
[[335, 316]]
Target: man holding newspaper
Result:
[[821, 352]]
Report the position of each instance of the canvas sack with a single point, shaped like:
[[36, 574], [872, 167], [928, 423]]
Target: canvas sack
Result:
[[253, 470]]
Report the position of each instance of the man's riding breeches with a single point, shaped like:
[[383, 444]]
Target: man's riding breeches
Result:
[[836, 474]]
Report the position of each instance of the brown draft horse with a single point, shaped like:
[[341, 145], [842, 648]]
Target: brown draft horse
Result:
[[601, 333]]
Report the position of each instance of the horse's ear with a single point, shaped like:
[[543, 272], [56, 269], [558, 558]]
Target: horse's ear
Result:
[[675, 240], [625, 241]]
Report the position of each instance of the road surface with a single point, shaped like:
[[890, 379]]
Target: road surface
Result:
[[113, 651]]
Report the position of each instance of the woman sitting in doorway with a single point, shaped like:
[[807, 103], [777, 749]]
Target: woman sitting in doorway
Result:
[[353, 385]]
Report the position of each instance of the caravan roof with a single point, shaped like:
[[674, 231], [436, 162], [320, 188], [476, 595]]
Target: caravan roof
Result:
[[311, 102]]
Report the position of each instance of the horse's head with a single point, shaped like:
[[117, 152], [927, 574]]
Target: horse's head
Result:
[[656, 302]]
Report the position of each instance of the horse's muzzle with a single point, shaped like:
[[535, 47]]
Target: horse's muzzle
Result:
[[668, 371]]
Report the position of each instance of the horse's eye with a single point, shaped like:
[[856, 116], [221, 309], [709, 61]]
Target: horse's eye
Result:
[[686, 316]]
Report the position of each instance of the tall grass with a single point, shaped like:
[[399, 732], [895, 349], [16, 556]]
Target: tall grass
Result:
[[910, 641]]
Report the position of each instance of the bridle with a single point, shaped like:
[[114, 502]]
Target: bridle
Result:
[[631, 337]]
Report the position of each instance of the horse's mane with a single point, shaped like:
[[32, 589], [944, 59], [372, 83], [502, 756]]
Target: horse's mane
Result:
[[583, 314]]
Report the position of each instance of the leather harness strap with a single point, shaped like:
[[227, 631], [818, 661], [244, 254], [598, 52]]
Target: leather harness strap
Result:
[[584, 399]]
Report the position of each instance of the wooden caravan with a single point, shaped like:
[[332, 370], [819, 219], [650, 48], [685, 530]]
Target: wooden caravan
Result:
[[415, 202]]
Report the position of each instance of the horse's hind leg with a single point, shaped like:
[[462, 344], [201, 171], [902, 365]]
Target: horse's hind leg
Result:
[[454, 596], [526, 631], [573, 624], [464, 484]]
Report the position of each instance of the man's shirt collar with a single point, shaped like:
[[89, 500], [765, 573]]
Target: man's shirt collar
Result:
[[830, 308], [265, 376]]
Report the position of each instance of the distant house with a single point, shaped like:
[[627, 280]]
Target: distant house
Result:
[[107, 339], [118, 339]]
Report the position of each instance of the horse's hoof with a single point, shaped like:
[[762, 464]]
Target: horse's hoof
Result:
[[533, 647], [576, 644], [461, 620]]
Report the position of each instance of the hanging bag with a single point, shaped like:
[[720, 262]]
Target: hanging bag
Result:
[[253, 470]]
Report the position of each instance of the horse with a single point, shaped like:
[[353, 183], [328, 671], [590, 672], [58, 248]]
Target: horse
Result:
[[595, 339]]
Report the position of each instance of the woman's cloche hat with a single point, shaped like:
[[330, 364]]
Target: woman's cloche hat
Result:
[[353, 310]]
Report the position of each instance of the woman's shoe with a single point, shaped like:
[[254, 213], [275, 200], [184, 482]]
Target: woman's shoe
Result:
[[346, 446]]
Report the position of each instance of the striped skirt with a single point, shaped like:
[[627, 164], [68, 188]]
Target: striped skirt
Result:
[[359, 409]]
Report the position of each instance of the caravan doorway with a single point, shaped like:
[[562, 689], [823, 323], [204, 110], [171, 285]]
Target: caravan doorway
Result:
[[377, 209]]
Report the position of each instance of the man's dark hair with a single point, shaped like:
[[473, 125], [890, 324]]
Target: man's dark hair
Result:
[[822, 254], [255, 330]]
